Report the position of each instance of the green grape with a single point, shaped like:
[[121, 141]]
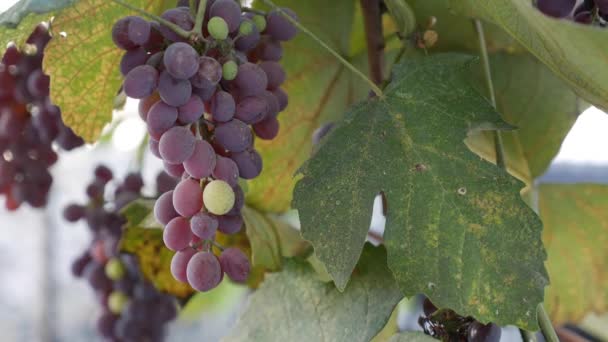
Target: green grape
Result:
[[246, 28], [117, 302], [229, 70], [218, 197], [260, 22], [218, 29], [115, 269]]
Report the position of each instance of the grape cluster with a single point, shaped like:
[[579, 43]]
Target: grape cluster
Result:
[[29, 124], [586, 12], [447, 325], [205, 98], [132, 308]]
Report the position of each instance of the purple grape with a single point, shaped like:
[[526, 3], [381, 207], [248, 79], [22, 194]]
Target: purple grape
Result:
[[74, 212], [120, 34], [274, 73], [138, 30], [209, 73], [188, 197], [154, 148], [163, 208], [179, 16], [156, 40], [173, 91], [191, 111], [230, 224], [249, 163], [279, 27], [177, 234], [252, 109], [103, 173], [602, 5], [239, 201], [428, 307], [79, 265], [584, 17], [38, 84], [282, 98], [251, 79], [226, 170], [177, 145], [96, 276], [478, 332], [133, 182], [235, 264], [165, 183], [106, 324], [202, 162], [269, 50], [273, 104], [175, 170], [267, 129], [248, 42], [181, 60], [556, 8], [145, 104], [223, 106], [179, 264], [161, 118], [234, 136], [141, 82], [204, 93], [131, 59], [204, 271], [203, 225], [229, 10]]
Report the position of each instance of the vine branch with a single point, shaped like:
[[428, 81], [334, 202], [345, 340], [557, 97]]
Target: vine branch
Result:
[[374, 38], [178, 30], [200, 17], [483, 50]]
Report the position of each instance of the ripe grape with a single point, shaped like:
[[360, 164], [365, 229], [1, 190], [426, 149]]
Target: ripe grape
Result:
[[179, 264], [177, 145], [556, 8], [173, 91], [131, 59], [120, 34], [181, 60], [188, 197], [202, 162], [181, 18], [279, 27], [139, 30], [229, 11], [269, 50], [230, 224], [141, 82], [252, 109], [226, 170], [235, 264], [267, 129], [74, 212], [161, 118], [203, 225], [251, 79], [234, 135], [218, 28], [192, 110], [209, 73], [177, 234], [249, 163], [175, 170], [282, 97], [223, 106], [274, 73], [218, 197], [274, 108], [204, 271], [478, 332]]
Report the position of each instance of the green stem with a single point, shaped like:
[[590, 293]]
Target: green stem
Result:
[[546, 327], [180, 31], [348, 65], [200, 17], [527, 336], [498, 143], [193, 7]]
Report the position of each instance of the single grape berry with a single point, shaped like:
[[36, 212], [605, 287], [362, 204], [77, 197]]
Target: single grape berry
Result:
[[203, 225], [218, 197], [230, 70], [177, 235], [181, 60], [556, 8], [179, 264], [204, 271], [115, 270], [117, 302], [188, 198], [218, 29], [235, 264], [478, 332]]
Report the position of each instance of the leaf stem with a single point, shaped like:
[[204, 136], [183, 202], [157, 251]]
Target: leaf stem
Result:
[[347, 64], [546, 327], [498, 143], [527, 336], [200, 17], [180, 31], [374, 38]]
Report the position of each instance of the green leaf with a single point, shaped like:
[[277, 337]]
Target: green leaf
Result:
[[576, 236], [83, 63], [140, 213], [412, 337], [320, 89], [529, 96], [271, 239], [300, 308], [457, 228], [154, 259], [575, 52]]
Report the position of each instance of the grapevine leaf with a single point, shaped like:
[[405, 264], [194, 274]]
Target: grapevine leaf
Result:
[[576, 236], [573, 51], [310, 310], [271, 239], [457, 228], [140, 213], [82, 62], [154, 259], [411, 337], [530, 97], [15, 14], [320, 89]]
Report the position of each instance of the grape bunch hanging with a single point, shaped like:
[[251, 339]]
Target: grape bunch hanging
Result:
[[204, 96], [590, 12], [29, 124], [132, 308]]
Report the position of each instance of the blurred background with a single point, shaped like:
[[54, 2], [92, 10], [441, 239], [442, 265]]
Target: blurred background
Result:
[[40, 300]]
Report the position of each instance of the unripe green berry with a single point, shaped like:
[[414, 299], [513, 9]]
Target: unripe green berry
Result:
[[218, 197], [218, 29], [260, 22], [115, 269], [117, 302], [229, 70], [246, 28]]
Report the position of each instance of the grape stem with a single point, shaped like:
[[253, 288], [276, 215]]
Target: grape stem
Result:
[[483, 50], [374, 38], [192, 7], [178, 30], [546, 327], [253, 10], [200, 17], [348, 65]]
